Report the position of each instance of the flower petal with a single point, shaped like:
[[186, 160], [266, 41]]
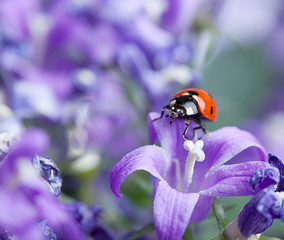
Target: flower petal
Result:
[[33, 141], [232, 180], [201, 209], [149, 158], [179, 15], [224, 144], [221, 147], [161, 130], [169, 136], [172, 211]]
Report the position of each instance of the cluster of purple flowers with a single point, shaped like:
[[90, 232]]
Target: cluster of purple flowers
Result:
[[67, 67], [77, 82], [26, 199], [30, 187]]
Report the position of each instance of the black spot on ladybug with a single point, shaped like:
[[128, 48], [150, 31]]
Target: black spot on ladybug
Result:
[[193, 93], [211, 110]]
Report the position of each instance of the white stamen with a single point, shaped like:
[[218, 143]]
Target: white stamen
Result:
[[195, 153]]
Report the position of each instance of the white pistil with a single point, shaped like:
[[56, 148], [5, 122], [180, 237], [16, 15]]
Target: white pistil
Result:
[[280, 195], [195, 153]]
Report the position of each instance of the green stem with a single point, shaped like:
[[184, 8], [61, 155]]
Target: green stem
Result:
[[143, 231], [219, 215]]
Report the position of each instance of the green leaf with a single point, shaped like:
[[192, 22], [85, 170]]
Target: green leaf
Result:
[[188, 234], [219, 237], [268, 238], [138, 189], [143, 231]]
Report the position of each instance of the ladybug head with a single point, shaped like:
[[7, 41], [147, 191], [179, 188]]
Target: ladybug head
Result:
[[176, 110]]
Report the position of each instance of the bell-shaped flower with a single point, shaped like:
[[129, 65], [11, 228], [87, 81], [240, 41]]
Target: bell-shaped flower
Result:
[[188, 175]]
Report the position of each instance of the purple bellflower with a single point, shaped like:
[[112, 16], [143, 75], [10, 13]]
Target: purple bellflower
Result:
[[265, 206], [188, 175], [41, 52], [25, 199]]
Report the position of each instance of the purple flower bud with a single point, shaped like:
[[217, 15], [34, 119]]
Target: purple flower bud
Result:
[[49, 172], [88, 220], [258, 214], [263, 178], [47, 230], [277, 163]]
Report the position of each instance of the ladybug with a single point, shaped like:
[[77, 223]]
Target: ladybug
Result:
[[192, 104]]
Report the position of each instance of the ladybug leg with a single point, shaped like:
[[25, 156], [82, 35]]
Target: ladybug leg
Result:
[[171, 122], [201, 126], [187, 121], [162, 113]]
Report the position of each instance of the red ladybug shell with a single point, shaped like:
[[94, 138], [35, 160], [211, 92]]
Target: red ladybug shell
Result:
[[205, 103]]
